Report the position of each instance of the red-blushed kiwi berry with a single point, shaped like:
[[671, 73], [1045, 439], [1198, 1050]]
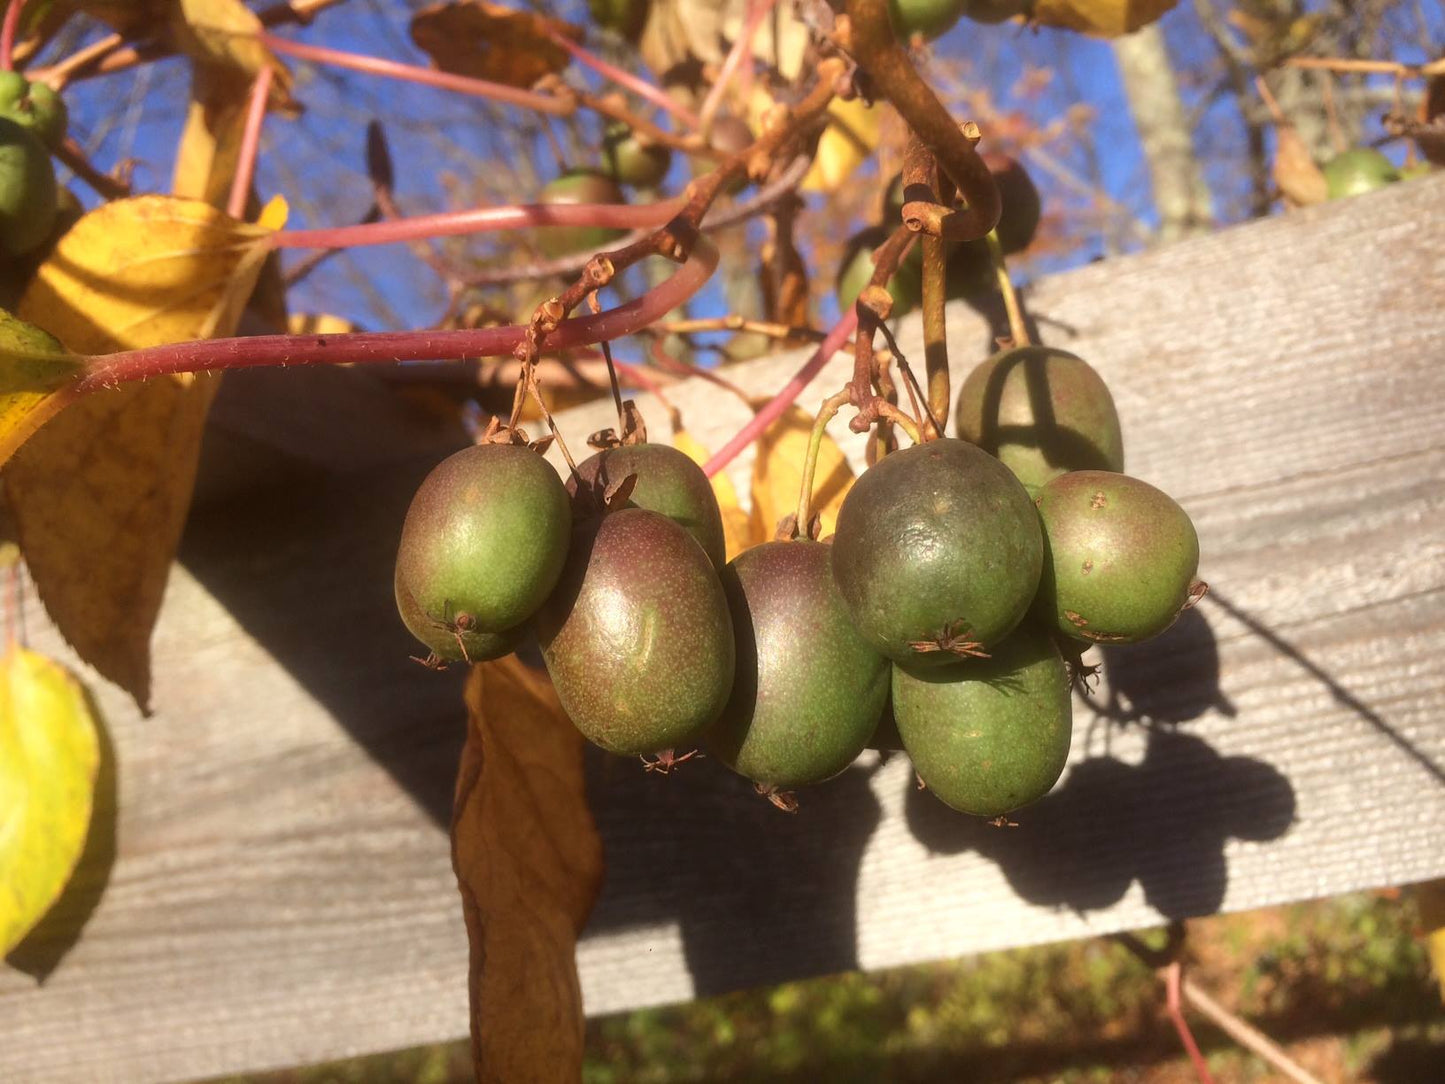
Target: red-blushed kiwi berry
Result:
[[856, 271], [27, 190], [628, 160], [573, 187], [34, 106], [668, 482], [1120, 558], [483, 544], [937, 552], [637, 636], [988, 736], [809, 689], [1358, 170], [1043, 412], [450, 637], [927, 17]]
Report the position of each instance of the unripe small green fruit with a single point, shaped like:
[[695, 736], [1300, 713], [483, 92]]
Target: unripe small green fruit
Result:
[[937, 542], [1120, 558], [809, 690], [927, 17], [668, 482], [483, 544], [625, 17], [34, 106], [1043, 412], [637, 637], [574, 187], [27, 190], [905, 285], [1359, 170], [630, 161], [988, 736]]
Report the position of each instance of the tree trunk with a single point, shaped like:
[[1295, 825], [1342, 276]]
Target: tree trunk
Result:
[[1180, 195]]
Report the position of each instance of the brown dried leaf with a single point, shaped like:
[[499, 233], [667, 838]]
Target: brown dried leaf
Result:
[[778, 474], [1295, 172], [529, 864], [489, 41], [1105, 18], [100, 493]]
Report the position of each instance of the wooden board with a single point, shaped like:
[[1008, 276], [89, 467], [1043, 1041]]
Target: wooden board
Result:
[[281, 890]]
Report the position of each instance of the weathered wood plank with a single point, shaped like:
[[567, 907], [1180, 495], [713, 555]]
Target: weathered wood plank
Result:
[[282, 891]]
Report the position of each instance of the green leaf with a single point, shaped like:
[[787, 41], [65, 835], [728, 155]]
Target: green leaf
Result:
[[33, 368], [49, 755]]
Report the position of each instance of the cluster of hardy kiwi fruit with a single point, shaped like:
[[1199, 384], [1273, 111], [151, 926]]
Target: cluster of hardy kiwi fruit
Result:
[[33, 120], [965, 577]]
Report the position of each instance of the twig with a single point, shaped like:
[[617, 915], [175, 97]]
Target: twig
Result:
[[919, 168], [1245, 1035], [872, 41], [757, 11], [643, 89], [1171, 979], [250, 143], [778, 405], [73, 157]]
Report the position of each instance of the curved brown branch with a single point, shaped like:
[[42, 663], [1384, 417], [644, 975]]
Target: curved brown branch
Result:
[[871, 40]]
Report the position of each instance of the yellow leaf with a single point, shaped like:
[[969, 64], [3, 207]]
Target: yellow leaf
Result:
[[34, 370], [490, 41], [737, 527], [100, 493], [1430, 900], [529, 864], [850, 138], [778, 474], [210, 145], [49, 755], [1299, 179], [223, 33], [1105, 18]]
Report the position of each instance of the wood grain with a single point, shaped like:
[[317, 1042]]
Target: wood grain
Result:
[[281, 891]]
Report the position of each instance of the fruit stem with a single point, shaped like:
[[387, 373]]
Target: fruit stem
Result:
[[778, 404], [250, 143], [1017, 327], [8, 31], [920, 168], [873, 43], [826, 413], [742, 47], [108, 370], [643, 89]]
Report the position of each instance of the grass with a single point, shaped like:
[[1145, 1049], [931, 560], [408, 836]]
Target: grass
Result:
[[1343, 984]]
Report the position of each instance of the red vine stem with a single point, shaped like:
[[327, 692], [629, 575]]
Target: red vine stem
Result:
[[643, 89], [250, 143], [8, 32], [774, 408], [1172, 975], [109, 370], [757, 12], [375, 65], [480, 219]]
